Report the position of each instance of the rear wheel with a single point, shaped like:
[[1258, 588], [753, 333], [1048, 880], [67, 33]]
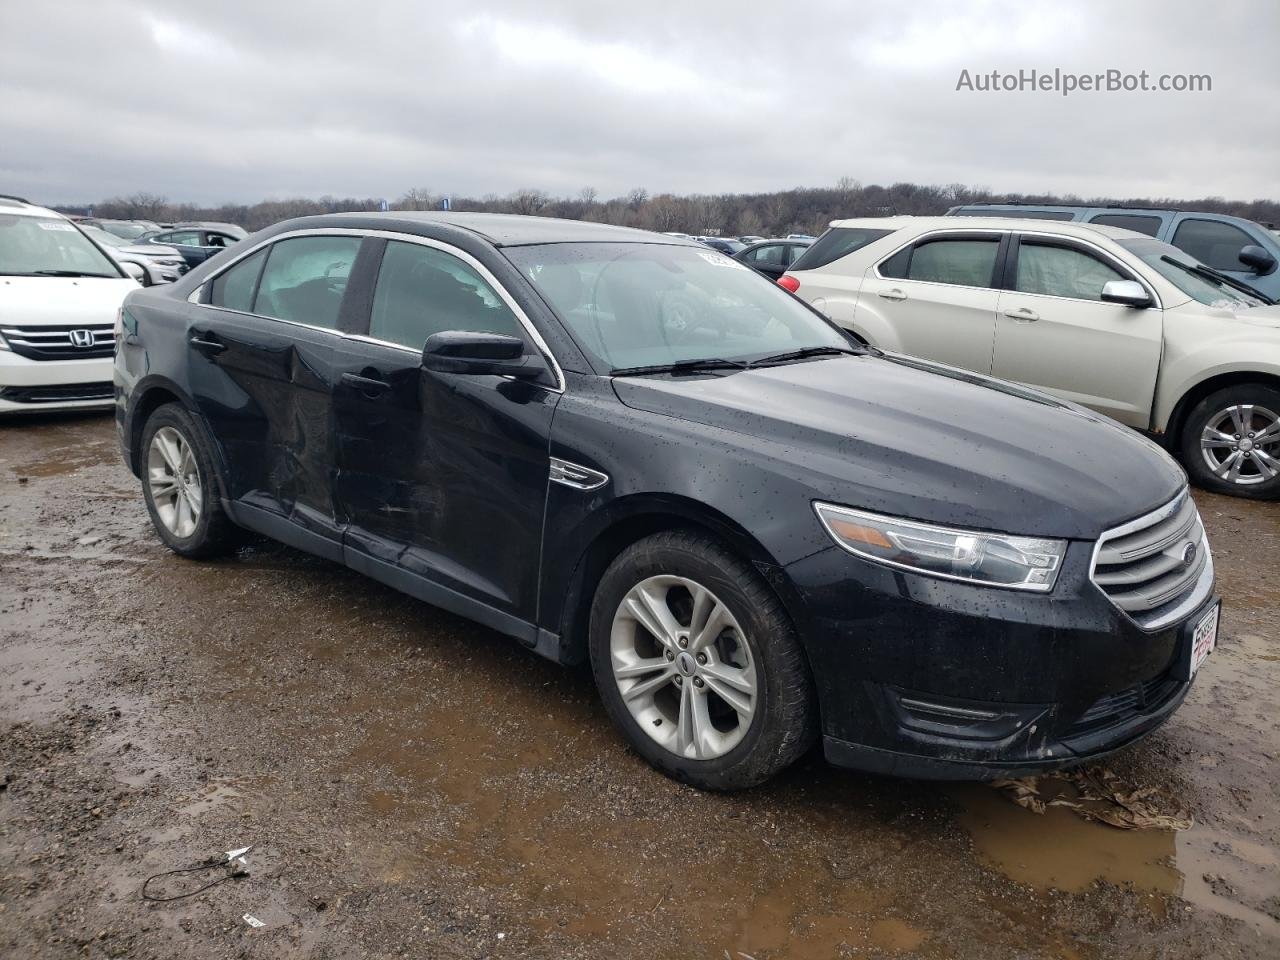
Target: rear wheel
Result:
[[1231, 442], [698, 664], [180, 486]]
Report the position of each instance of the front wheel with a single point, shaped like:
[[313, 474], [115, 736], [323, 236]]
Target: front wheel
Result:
[[1231, 442], [698, 664]]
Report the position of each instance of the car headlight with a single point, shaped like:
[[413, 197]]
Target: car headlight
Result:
[[993, 559]]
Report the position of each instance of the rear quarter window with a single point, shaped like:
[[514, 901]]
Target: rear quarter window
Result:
[[1128, 221], [836, 243]]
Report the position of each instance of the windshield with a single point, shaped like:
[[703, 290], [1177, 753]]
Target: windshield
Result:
[[45, 246], [1190, 275], [646, 304]]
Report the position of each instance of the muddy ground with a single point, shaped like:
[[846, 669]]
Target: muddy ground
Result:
[[415, 785]]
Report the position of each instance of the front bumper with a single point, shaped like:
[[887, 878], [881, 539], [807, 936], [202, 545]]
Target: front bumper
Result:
[[928, 678], [37, 386]]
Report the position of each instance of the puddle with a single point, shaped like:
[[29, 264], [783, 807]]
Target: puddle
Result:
[[1061, 850]]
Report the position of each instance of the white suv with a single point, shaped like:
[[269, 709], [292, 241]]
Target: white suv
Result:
[[1108, 318], [59, 295]]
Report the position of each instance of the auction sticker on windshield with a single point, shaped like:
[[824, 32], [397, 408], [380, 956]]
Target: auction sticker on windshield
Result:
[[1204, 637]]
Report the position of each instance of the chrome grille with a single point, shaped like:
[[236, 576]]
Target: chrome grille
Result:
[[55, 342], [1156, 568]]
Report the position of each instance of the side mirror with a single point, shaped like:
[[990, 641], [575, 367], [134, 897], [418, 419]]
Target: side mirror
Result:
[[1128, 293], [495, 354], [1257, 259], [135, 270]]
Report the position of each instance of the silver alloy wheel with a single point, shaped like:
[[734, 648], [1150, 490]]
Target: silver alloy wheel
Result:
[[684, 667], [1241, 444], [174, 480]]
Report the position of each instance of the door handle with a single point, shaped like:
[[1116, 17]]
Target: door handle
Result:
[[366, 385], [1022, 315], [212, 345], [892, 294]]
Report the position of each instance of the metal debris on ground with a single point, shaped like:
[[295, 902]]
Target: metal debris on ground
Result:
[[1099, 795], [253, 921]]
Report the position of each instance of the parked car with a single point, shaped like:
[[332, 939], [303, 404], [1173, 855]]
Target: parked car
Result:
[[1109, 318], [1242, 249], [750, 239], [625, 448], [194, 244], [124, 229], [801, 236], [726, 245], [59, 296], [231, 229], [772, 257], [160, 264]]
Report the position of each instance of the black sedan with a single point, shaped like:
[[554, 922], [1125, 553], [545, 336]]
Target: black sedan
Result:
[[620, 447], [772, 257], [195, 244]]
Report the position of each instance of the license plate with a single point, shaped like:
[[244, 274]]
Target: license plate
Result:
[[1204, 637]]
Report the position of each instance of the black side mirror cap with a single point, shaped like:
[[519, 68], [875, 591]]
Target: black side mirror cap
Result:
[[1257, 259], [475, 354], [1128, 293]]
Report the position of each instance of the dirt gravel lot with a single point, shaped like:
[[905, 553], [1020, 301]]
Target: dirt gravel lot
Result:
[[415, 785]]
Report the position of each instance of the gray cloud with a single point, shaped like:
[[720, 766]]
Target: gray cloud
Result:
[[239, 101]]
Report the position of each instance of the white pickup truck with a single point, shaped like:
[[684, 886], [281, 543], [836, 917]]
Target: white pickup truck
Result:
[[1108, 318]]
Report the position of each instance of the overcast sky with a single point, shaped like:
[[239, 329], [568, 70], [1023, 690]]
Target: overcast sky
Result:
[[225, 100]]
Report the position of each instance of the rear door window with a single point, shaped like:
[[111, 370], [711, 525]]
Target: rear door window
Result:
[[774, 253], [968, 262], [422, 290], [305, 278], [181, 238], [1139, 223], [234, 288], [836, 243], [1213, 243]]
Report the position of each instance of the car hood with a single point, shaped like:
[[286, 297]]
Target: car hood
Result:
[[929, 442], [36, 301], [150, 250]]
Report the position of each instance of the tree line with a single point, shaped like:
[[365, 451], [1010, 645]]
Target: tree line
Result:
[[798, 210]]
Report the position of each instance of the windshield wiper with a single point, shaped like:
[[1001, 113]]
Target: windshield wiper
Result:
[[1221, 279], [64, 273], [682, 366], [804, 353]]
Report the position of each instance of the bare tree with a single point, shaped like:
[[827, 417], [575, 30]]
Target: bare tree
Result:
[[587, 197], [528, 201], [637, 198], [416, 198]]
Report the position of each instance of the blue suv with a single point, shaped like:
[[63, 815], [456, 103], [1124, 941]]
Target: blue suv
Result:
[[1240, 248]]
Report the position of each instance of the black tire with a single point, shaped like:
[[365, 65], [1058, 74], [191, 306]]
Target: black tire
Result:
[[214, 534], [1209, 411], [784, 722]]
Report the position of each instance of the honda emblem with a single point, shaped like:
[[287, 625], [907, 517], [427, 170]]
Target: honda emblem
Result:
[[82, 338]]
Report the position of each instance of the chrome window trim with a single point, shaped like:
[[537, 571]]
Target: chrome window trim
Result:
[[196, 295], [1107, 255], [1200, 591]]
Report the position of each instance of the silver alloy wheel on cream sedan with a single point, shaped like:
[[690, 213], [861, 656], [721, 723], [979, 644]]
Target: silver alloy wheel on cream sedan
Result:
[[1241, 444], [174, 479], [684, 667]]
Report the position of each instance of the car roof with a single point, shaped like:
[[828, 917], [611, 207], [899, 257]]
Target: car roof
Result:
[[500, 229], [1109, 208], [24, 208], [1066, 228]]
